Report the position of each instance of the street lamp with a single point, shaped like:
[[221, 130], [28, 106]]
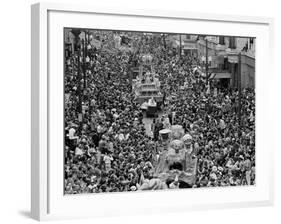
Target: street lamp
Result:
[[239, 90], [207, 61], [84, 61], [180, 46], [235, 57], [76, 33]]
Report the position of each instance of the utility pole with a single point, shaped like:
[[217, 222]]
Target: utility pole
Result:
[[180, 46], [164, 40], [207, 61], [76, 33], [88, 40], [239, 90], [165, 46], [84, 45], [89, 55]]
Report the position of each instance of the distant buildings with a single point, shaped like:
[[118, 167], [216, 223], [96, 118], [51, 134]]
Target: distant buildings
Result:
[[190, 45], [223, 57], [187, 43], [223, 53]]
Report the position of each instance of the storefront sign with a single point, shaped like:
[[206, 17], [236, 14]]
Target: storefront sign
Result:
[[232, 58], [80, 118], [189, 46], [203, 58]]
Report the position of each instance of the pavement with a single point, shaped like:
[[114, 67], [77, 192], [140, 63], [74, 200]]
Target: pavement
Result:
[[147, 123]]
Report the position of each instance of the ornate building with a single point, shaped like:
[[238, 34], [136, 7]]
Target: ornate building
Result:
[[224, 54]]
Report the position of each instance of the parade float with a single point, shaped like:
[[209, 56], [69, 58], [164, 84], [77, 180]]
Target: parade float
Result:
[[177, 163], [146, 86]]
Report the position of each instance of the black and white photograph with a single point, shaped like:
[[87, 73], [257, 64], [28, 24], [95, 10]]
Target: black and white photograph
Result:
[[148, 111], [140, 111]]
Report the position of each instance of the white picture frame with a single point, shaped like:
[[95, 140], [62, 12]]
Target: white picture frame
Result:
[[47, 202]]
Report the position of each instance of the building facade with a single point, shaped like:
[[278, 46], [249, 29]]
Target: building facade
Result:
[[186, 43], [224, 54], [189, 45]]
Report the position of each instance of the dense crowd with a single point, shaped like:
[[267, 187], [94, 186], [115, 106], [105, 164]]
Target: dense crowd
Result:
[[106, 146]]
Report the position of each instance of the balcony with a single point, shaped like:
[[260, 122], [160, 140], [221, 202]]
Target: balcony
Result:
[[220, 47], [219, 70]]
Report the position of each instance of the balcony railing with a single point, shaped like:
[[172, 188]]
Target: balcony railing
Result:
[[219, 70]]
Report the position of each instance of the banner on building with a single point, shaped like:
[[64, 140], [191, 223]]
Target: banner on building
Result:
[[232, 58], [189, 46]]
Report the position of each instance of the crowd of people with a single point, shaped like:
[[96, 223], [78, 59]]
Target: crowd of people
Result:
[[106, 145]]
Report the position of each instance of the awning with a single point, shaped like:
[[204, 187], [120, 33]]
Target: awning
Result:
[[232, 58], [224, 75]]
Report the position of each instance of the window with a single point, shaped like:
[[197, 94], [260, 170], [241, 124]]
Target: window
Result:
[[232, 42], [251, 42], [225, 64], [221, 40]]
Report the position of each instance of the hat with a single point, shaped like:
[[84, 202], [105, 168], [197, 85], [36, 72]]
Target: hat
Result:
[[220, 168], [133, 188], [213, 176], [187, 137], [214, 169], [73, 124]]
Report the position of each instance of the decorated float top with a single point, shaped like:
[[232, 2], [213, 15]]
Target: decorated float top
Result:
[[146, 58], [146, 86], [178, 160]]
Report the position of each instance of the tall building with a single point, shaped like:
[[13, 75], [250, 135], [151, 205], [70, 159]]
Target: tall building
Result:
[[187, 43], [190, 45], [223, 58]]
